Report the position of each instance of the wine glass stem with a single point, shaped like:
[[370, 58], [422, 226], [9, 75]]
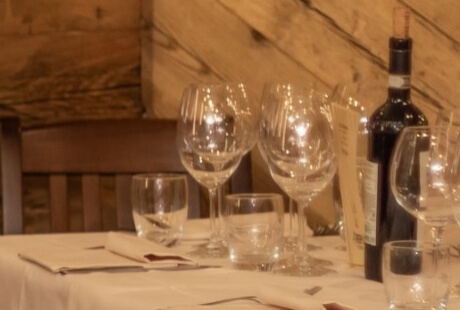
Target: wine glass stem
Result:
[[213, 204], [302, 238], [437, 232], [291, 231], [220, 203]]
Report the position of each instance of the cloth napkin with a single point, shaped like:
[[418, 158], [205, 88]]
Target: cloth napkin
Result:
[[61, 259], [295, 300], [145, 251], [278, 296], [121, 251]]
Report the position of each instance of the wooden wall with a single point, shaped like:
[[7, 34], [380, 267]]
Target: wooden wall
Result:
[[325, 40], [73, 59], [64, 60]]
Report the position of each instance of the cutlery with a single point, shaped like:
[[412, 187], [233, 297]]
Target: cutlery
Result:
[[229, 300], [223, 301], [184, 267], [312, 290], [457, 250], [326, 230]]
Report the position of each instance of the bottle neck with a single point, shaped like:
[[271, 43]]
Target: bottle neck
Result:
[[399, 94], [399, 68]]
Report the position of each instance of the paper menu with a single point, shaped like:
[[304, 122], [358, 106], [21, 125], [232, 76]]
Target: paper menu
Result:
[[351, 166]]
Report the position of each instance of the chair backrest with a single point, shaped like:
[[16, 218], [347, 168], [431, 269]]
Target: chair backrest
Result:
[[91, 149]]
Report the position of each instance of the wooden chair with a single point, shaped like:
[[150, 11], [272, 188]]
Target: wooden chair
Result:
[[91, 149]]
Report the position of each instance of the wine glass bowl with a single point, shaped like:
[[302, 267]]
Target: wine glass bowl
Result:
[[297, 143], [420, 172], [217, 125], [451, 118], [298, 165]]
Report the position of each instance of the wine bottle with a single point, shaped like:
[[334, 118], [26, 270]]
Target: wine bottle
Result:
[[385, 219]]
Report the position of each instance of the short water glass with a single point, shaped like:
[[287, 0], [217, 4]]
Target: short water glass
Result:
[[160, 206], [416, 275], [253, 228]]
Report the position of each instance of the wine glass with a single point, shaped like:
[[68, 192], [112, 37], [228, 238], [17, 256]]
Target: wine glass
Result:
[[419, 174], [451, 118], [296, 139], [290, 240], [217, 125]]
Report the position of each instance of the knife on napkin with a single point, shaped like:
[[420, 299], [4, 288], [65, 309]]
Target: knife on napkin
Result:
[[145, 251]]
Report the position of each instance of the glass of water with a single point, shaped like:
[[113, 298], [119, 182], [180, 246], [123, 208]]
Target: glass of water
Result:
[[160, 205], [253, 228], [416, 275]]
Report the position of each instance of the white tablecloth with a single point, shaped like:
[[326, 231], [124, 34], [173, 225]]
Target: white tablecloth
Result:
[[24, 285]]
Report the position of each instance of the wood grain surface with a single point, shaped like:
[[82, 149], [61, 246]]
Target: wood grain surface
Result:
[[66, 60]]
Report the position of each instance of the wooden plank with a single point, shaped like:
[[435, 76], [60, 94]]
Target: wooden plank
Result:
[[58, 203], [164, 79], [92, 212], [114, 103], [123, 202], [64, 60], [87, 61], [31, 17], [441, 15], [49, 76], [12, 213]]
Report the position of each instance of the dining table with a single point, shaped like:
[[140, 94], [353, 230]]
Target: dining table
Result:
[[28, 283]]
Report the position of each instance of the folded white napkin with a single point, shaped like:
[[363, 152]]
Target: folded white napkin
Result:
[[143, 250], [121, 251], [285, 298], [295, 300], [64, 259], [278, 296]]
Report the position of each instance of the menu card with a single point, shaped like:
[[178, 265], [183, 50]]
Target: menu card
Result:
[[351, 166]]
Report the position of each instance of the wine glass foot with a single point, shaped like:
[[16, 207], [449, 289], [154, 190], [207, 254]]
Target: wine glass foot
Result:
[[290, 245], [455, 290], [320, 262], [312, 247], [213, 250], [303, 267]]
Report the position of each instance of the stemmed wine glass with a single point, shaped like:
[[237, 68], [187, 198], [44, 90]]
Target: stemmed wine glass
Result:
[[297, 142], [451, 119], [291, 233], [420, 172], [217, 125]]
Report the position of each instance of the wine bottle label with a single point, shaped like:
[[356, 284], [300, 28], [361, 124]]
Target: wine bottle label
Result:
[[370, 202], [399, 81]]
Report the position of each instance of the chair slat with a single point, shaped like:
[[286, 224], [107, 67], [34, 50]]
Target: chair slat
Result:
[[11, 177], [123, 201], [92, 210], [58, 203]]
